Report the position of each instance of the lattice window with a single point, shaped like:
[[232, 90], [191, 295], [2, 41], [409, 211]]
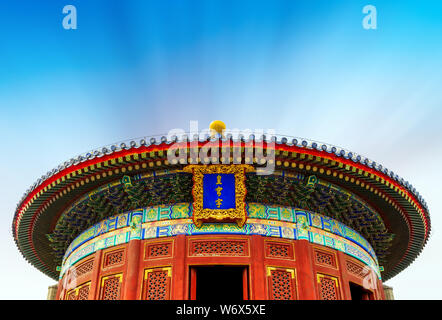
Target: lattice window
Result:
[[79, 293], [219, 247], [278, 250], [83, 293], [157, 284], [71, 295], [281, 284], [84, 268], [355, 269], [159, 250], [325, 258], [111, 287], [328, 287], [113, 258]]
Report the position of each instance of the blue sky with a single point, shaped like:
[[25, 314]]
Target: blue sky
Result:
[[303, 67]]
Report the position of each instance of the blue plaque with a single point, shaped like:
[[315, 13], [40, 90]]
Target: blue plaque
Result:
[[219, 191]]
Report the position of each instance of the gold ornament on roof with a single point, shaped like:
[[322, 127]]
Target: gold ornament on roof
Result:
[[217, 127]]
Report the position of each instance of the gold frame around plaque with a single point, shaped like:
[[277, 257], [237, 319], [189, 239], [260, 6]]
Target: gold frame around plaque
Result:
[[237, 214]]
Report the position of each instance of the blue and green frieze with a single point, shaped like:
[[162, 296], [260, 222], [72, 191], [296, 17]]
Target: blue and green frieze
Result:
[[269, 221]]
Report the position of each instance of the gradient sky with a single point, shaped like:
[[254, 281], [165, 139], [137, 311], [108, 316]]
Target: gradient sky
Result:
[[305, 68]]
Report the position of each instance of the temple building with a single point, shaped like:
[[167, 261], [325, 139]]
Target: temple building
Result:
[[257, 217]]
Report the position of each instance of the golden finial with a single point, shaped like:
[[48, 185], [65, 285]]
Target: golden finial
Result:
[[217, 126]]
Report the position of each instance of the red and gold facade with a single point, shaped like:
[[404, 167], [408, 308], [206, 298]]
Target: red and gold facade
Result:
[[127, 223], [162, 269]]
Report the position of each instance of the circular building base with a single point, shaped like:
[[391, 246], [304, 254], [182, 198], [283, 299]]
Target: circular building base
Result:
[[138, 255]]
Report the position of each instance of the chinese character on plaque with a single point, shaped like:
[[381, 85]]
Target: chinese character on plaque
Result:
[[219, 193]]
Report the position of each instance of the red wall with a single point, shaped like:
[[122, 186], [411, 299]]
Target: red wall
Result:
[[160, 269]]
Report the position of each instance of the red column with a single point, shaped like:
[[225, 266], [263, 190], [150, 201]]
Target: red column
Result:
[[130, 284], [179, 274], [306, 276], [344, 282], [95, 277], [59, 289], [259, 278], [192, 283], [380, 294], [245, 284]]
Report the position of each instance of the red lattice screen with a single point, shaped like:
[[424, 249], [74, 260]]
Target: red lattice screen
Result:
[[282, 284], [157, 284], [159, 250], [219, 248], [111, 287], [328, 287], [79, 293], [279, 250], [83, 293], [84, 268], [355, 269], [325, 258], [113, 258], [71, 295]]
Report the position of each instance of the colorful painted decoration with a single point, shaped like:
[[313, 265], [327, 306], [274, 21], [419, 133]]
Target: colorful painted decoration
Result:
[[268, 221]]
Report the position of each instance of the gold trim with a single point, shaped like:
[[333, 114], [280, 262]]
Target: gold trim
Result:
[[270, 269], [237, 214], [149, 270], [77, 289], [321, 276], [292, 271], [118, 275], [168, 269]]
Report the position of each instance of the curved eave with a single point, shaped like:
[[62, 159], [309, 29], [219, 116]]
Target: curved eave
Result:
[[79, 176]]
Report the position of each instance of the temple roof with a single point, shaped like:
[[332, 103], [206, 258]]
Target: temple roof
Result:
[[384, 208]]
